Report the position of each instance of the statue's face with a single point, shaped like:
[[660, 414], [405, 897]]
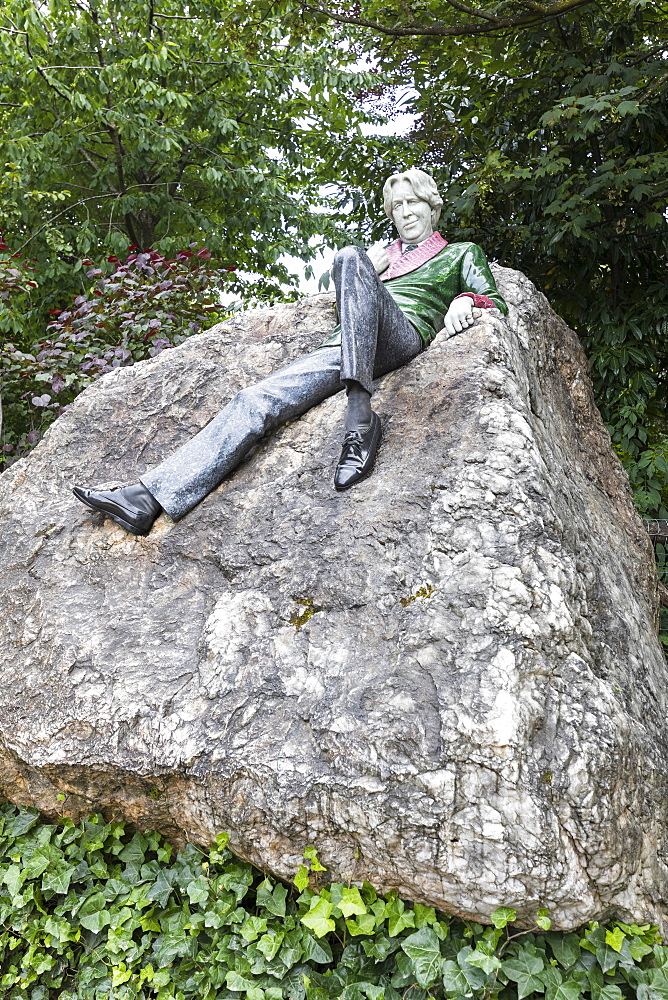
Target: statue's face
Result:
[[411, 215]]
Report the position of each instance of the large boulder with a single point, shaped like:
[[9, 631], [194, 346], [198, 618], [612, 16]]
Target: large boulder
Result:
[[447, 679]]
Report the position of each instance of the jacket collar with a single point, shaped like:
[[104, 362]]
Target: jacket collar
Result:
[[412, 259]]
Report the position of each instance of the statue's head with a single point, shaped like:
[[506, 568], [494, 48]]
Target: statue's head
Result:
[[413, 203]]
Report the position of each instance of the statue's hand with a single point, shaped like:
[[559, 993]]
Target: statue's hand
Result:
[[377, 254], [459, 316]]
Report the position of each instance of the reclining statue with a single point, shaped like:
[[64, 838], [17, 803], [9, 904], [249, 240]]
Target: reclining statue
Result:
[[391, 303]]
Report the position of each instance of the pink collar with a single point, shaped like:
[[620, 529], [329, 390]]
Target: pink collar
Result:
[[412, 259]]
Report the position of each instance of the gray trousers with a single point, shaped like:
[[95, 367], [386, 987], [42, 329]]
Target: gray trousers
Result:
[[376, 338]]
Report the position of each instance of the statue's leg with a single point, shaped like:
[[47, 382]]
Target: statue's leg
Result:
[[199, 465], [376, 337]]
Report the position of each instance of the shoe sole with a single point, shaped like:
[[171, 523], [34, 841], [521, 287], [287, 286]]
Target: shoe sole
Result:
[[114, 517], [365, 475]]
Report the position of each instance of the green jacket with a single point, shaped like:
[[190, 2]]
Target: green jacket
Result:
[[424, 295]]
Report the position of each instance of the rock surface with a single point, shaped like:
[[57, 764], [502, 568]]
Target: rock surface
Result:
[[447, 679]]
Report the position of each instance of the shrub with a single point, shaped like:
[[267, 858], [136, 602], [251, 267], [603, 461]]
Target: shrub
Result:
[[96, 912], [135, 309]]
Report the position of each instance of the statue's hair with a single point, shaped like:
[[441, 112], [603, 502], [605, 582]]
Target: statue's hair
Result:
[[424, 187]]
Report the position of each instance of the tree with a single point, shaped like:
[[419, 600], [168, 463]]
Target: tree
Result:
[[152, 124]]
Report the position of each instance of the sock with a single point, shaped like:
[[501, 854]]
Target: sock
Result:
[[358, 413]]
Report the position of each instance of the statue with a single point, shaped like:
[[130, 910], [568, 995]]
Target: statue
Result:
[[391, 303]]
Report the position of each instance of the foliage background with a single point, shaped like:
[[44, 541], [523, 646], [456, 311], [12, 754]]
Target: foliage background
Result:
[[96, 912]]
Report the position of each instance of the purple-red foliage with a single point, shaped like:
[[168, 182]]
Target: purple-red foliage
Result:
[[134, 309]]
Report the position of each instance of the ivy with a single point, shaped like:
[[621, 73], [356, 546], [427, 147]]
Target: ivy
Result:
[[95, 911]]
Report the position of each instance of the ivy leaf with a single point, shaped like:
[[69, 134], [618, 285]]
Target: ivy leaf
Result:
[[238, 879], [569, 990], [364, 924], [198, 890], [454, 980], [18, 825], [134, 853], [311, 855], [398, 917], [253, 927], [292, 949], [317, 918], [93, 915], [58, 880], [502, 916], [316, 951], [272, 898], [524, 971], [301, 879], [543, 920], [160, 891], [481, 960], [380, 947], [423, 949], [351, 902], [238, 983], [13, 879], [565, 948], [611, 992], [615, 939], [270, 943]]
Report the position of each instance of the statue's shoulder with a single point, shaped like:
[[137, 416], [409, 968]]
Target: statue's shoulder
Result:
[[464, 246]]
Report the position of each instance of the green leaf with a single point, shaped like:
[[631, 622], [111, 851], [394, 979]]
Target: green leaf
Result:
[[611, 992], [198, 890], [502, 916], [565, 948], [317, 918], [13, 879], [58, 879], [253, 927], [481, 960], [351, 902], [615, 938], [524, 970], [311, 855], [160, 891], [301, 879], [364, 924], [398, 917], [234, 981], [316, 951], [270, 943], [273, 898], [568, 990], [454, 980], [423, 949]]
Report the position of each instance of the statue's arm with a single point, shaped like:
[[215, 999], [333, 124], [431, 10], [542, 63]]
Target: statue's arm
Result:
[[477, 281], [478, 291]]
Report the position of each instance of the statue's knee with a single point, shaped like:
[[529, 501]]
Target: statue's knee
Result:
[[346, 254]]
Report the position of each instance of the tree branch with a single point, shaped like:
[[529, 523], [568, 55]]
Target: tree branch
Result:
[[493, 23], [41, 72]]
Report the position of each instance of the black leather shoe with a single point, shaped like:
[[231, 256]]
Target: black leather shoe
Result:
[[357, 455], [133, 507]]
